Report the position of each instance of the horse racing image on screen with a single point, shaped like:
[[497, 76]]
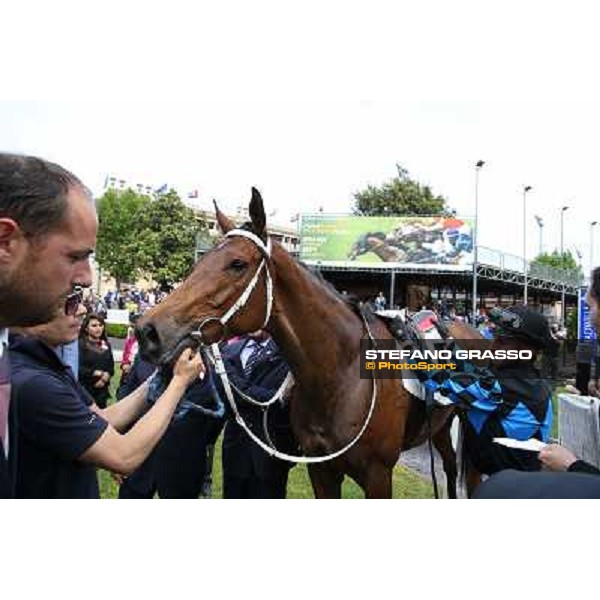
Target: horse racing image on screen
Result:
[[419, 240]]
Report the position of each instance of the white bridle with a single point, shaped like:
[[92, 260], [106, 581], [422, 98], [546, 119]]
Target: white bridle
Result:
[[217, 360], [243, 299]]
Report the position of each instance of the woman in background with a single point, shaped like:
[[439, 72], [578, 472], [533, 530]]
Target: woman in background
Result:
[[96, 364]]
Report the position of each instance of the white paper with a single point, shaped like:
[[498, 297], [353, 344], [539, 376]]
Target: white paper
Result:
[[531, 444]]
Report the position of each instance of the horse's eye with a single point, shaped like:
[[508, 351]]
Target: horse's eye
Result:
[[237, 265]]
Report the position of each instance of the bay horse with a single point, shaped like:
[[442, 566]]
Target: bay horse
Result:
[[375, 242], [319, 333]]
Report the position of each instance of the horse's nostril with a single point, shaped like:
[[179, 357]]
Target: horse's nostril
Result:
[[149, 340], [150, 333]]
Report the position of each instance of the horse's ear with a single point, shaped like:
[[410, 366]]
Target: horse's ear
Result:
[[257, 213], [225, 223]]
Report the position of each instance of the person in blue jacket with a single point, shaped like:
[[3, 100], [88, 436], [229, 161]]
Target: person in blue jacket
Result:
[[510, 398]]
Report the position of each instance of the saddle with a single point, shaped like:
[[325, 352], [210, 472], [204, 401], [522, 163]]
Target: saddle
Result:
[[423, 331]]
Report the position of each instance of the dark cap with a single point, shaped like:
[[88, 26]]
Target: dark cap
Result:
[[524, 323]]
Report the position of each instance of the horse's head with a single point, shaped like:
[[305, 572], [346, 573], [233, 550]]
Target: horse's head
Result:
[[194, 313], [365, 243]]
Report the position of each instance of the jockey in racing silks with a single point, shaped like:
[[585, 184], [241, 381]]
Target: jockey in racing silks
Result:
[[508, 399]]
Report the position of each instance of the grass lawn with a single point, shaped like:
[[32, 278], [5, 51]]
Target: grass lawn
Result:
[[407, 484]]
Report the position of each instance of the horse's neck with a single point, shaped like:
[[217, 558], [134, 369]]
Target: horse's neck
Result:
[[312, 326], [384, 252], [387, 254]]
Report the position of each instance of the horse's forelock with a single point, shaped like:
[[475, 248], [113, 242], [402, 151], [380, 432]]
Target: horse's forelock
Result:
[[249, 226]]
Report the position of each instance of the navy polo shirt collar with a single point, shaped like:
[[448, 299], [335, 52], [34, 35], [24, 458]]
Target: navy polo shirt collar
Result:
[[38, 350]]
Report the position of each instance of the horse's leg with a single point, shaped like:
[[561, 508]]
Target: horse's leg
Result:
[[379, 481], [326, 482], [472, 479], [470, 476], [442, 440]]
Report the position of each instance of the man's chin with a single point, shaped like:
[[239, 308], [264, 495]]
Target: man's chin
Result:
[[20, 314]]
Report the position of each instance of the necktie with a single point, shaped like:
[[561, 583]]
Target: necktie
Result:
[[4, 399], [253, 359]]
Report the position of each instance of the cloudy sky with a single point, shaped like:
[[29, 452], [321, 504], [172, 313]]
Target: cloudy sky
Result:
[[312, 101]]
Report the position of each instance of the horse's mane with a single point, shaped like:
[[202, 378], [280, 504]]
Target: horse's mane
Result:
[[348, 299]]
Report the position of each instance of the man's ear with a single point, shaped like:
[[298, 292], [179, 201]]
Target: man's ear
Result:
[[9, 233]]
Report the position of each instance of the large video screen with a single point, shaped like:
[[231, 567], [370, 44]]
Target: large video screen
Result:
[[416, 240]]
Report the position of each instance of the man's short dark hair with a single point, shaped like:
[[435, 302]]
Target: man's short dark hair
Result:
[[33, 192]]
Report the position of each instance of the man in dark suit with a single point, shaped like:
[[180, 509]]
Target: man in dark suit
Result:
[[256, 367]]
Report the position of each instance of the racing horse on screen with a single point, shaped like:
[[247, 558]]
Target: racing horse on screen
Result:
[[245, 284]]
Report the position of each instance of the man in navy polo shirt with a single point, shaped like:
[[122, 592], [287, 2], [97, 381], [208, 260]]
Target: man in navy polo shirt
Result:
[[62, 434], [48, 230]]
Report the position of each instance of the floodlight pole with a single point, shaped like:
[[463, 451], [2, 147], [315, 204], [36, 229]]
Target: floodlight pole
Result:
[[478, 166], [526, 188], [592, 225], [562, 260]]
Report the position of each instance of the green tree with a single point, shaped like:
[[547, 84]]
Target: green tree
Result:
[[558, 261], [118, 251], [169, 231], [399, 196]]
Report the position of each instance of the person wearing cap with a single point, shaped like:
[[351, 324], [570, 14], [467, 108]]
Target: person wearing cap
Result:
[[507, 399], [565, 476]]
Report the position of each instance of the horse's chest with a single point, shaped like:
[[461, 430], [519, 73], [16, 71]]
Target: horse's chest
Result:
[[323, 425]]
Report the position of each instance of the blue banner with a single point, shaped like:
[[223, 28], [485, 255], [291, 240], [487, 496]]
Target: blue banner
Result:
[[585, 331]]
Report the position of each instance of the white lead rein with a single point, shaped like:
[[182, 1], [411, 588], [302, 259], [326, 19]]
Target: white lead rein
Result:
[[272, 451]]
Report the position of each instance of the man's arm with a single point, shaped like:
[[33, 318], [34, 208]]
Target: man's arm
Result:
[[121, 414], [580, 466], [123, 453], [558, 458]]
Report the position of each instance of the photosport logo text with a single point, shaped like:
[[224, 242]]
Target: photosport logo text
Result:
[[392, 362]]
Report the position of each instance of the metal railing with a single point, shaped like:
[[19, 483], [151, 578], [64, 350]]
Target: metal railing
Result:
[[511, 262]]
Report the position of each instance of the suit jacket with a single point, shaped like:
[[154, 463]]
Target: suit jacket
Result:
[[242, 457]]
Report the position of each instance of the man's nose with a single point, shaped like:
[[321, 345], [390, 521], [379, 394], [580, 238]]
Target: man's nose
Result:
[[83, 275]]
